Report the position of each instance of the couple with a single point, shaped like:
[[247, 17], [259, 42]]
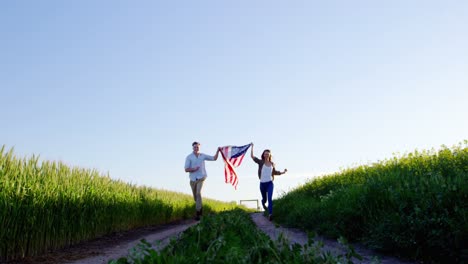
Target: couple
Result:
[[195, 166]]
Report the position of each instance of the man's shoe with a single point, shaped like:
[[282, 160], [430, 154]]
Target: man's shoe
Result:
[[197, 216], [270, 217]]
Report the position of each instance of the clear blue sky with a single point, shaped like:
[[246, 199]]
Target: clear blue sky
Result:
[[125, 87]]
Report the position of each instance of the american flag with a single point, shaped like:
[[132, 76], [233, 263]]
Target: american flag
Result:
[[233, 157]]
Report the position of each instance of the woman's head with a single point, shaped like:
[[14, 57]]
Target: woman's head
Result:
[[266, 155]]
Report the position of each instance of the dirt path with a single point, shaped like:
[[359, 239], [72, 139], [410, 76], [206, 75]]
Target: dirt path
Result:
[[300, 237], [117, 245], [159, 239], [109, 247]]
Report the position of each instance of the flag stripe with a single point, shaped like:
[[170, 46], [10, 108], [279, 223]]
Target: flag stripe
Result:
[[232, 157]]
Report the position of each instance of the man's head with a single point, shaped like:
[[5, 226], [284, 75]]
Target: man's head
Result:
[[196, 147]]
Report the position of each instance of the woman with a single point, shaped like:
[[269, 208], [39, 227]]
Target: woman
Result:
[[266, 174]]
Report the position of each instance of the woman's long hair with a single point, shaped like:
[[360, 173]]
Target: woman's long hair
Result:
[[269, 159]]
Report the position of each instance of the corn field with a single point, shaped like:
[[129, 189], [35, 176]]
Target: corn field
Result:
[[48, 205]]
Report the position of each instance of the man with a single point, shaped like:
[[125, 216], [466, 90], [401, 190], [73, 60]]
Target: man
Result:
[[195, 166]]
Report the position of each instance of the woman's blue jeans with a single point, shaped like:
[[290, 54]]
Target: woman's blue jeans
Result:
[[266, 188]]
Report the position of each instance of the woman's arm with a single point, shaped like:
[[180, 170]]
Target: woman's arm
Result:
[[251, 151], [275, 172], [255, 159]]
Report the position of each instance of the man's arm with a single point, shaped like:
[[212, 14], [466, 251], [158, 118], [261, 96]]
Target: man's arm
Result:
[[188, 164], [192, 169], [215, 157]]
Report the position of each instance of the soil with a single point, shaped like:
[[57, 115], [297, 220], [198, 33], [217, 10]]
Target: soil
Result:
[[113, 246], [116, 245], [300, 237]]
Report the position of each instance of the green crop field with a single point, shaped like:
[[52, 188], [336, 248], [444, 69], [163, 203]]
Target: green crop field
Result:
[[414, 206], [48, 205]]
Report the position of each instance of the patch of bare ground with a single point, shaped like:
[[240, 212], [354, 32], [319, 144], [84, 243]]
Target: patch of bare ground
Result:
[[300, 237], [113, 246]]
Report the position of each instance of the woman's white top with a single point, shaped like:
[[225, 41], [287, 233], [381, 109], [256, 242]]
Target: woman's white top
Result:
[[266, 173]]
